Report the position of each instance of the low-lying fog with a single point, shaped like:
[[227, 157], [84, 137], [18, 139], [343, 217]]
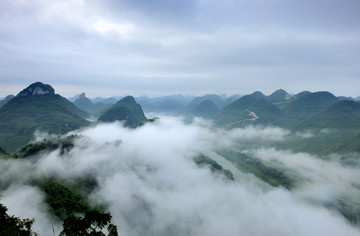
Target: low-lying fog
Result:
[[152, 186]]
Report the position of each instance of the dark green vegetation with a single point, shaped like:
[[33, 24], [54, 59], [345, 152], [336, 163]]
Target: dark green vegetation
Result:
[[126, 110], [14, 226], [63, 143], [202, 160], [37, 108], [305, 107], [85, 104], [65, 198], [69, 202], [90, 224], [265, 172], [348, 144], [340, 115]]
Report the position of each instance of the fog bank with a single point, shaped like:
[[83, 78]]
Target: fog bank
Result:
[[150, 184]]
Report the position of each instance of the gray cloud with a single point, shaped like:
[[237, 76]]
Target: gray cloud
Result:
[[160, 47]]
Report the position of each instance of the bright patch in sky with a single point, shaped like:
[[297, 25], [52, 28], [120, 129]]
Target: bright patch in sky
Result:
[[104, 27]]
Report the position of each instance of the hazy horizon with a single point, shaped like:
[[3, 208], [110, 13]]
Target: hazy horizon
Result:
[[94, 93]]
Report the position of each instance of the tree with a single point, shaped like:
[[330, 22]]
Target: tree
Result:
[[11, 225], [91, 224]]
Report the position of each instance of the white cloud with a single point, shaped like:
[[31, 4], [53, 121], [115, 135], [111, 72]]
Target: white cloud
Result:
[[151, 186], [28, 202], [123, 29], [321, 178]]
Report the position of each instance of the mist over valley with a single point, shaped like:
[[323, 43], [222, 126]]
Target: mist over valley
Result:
[[252, 164], [173, 118]]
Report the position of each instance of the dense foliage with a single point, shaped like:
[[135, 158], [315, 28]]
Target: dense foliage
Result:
[[63, 143], [69, 202], [14, 226], [62, 198], [92, 224]]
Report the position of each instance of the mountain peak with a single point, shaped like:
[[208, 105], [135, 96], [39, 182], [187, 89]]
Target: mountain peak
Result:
[[37, 88], [128, 100], [280, 92], [279, 96], [82, 95], [258, 95]]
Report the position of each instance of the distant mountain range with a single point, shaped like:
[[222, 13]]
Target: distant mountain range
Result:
[[303, 110], [87, 105], [37, 107]]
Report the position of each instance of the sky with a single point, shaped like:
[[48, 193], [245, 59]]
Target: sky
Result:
[[162, 47]]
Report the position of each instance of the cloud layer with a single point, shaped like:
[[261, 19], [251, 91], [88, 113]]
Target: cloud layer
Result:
[[151, 185]]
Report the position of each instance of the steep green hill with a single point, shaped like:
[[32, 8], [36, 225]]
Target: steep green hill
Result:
[[205, 109], [248, 110], [301, 94], [258, 95], [83, 102], [341, 115], [278, 96], [217, 100], [335, 129], [305, 107], [37, 107], [126, 110]]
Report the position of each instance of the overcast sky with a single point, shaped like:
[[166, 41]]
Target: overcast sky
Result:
[[161, 47]]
